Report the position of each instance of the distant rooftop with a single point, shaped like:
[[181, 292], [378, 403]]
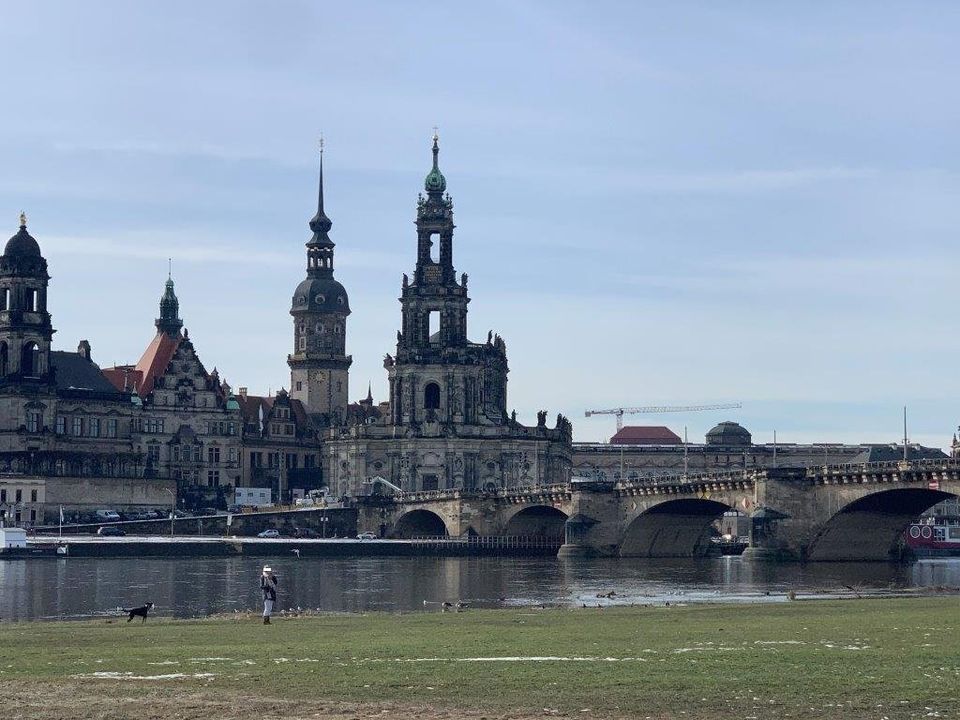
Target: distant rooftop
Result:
[[645, 435]]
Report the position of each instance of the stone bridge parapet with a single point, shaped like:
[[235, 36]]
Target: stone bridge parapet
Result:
[[834, 512]]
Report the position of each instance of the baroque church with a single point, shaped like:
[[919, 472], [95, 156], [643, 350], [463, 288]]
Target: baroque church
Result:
[[166, 429]]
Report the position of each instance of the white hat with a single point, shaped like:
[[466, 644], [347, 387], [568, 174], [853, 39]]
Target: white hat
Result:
[[267, 568]]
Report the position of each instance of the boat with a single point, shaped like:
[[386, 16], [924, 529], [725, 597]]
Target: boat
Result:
[[935, 536]]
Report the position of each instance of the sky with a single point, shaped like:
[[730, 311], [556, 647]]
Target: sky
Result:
[[657, 203]]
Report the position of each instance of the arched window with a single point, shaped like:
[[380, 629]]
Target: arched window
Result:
[[431, 397], [4, 361], [30, 360]]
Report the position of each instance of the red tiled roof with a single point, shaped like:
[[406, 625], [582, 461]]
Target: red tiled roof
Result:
[[155, 360], [645, 435], [142, 376]]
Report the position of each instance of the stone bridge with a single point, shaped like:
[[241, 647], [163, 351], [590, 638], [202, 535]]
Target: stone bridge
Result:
[[834, 512]]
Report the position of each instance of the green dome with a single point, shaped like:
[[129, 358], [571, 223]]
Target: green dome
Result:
[[435, 182]]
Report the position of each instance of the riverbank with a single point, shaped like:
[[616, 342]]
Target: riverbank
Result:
[[852, 659]]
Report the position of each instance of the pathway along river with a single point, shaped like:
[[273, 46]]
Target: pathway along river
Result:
[[77, 588]]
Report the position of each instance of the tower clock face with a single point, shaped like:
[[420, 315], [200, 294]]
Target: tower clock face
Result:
[[319, 377]]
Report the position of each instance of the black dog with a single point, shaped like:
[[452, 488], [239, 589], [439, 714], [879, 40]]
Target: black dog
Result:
[[140, 612]]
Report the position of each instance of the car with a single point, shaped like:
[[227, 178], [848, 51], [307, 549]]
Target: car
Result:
[[305, 533], [366, 536], [110, 531], [107, 515], [269, 533]]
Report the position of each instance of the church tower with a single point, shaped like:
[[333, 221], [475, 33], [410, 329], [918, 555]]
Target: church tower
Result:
[[319, 365], [439, 378], [25, 329]]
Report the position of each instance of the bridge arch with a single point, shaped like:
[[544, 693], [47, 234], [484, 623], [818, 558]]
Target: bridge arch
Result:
[[872, 526], [418, 523], [675, 528], [542, 521]]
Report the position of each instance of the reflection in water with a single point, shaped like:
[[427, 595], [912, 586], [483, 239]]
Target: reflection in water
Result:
[[84, 587]]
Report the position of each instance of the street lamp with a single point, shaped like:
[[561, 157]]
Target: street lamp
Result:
[[173, 508], [323, 525]]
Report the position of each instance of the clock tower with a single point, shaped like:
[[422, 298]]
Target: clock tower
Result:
[[319, 365]]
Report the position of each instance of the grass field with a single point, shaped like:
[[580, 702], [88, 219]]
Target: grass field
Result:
[[827, 659]]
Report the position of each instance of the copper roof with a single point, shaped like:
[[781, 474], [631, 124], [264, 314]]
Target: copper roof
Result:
[[645, 435]]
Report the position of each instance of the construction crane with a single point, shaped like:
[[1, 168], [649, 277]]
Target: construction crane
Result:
[[657, 409]]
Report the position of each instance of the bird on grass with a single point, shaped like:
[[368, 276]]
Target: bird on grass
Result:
[[296, 551]]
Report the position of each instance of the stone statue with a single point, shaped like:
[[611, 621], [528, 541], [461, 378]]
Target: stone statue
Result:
[[542, 418], [489, 337], [388, 361], [513, 416], [406, 280]]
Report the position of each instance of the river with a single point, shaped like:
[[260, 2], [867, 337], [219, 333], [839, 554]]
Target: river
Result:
[[75, 588]]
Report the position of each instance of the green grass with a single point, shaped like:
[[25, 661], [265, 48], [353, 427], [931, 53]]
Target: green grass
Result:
[[852, 659]]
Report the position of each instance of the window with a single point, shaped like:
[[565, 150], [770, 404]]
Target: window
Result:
[[299, 385], [4, 359], [34, 421], [196, 453], [153, 425], [213, 455], [94, 427], [33, 496], [77, 427], [5, 299], [433, 326], [309, 461], [303, 342], [291, 461], [231, 428], [274, 459], [19, 496], [232, 455], [33, 300], [176, 453], [153, 453], [431, 397], [213, 478], [3, 496], [288, 429], [112, 428], [30, 360]]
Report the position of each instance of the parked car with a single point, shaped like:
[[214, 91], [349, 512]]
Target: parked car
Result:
[[269, 533], [108, 515], [366, 536], [306, 533], [110, 531]]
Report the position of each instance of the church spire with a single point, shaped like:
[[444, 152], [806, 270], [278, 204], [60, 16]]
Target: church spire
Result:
[[320, 224], [435, 183], [169, 321]]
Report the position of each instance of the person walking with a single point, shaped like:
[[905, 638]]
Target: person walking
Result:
[[268, 587]]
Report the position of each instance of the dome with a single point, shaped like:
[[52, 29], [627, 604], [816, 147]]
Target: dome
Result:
[[22, 244], [729, 433], [323, 294], [435, 181]]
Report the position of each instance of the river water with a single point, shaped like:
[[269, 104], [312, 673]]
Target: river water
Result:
[[74, 588]]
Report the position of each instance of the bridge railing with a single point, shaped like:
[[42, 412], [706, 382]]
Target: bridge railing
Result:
[[505, 542]]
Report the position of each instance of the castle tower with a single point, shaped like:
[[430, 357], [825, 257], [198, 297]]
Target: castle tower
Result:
[[169, 321], [319, 365], [25, 329]]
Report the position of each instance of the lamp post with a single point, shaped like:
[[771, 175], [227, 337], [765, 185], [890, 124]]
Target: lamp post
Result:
[[173, 508], [323, 525]]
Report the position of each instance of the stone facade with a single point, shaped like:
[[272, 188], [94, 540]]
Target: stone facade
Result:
[[728, 446]]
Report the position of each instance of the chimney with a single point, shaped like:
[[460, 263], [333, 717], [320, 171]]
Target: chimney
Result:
[[243, 392], [83, 349]]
